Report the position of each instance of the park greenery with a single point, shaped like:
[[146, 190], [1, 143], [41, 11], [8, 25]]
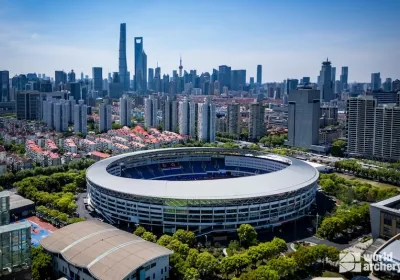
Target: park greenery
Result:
[[246, 259], [345, 222], [347, 190], [390, 174], [13, 147], [53, 189], [273, 140], [41, 266]]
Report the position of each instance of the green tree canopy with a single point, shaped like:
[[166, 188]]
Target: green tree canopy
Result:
[[247, 234]]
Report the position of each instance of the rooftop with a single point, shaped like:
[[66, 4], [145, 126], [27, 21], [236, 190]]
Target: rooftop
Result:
[[17, 201], [107, 252], [392, 205], [16, 226], [390, 248]]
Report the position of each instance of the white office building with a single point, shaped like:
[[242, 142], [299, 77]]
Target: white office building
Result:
[[170, 115], [150, 111], [80, 118], [187, 118], [105, 114], [206, 122], [125, 111]]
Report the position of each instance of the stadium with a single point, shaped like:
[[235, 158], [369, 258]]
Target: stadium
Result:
[[201, 189]]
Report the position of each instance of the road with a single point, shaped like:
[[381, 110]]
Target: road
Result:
[[83, 213]]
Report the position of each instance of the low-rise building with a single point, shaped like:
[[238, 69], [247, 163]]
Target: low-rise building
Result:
[[94, 250], [98, 155], [70, 146], [385, 218], [87, 145]]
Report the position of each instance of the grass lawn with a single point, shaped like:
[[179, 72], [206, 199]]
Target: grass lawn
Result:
[[373, 183], [332, 274]]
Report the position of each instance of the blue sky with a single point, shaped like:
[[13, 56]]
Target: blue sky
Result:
[[289, 38]]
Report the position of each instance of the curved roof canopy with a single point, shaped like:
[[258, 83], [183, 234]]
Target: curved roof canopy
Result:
[[105, 251], [296, 175]]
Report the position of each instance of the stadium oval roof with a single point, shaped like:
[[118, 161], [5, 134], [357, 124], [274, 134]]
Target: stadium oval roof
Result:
[[295, 176], [105, 251]]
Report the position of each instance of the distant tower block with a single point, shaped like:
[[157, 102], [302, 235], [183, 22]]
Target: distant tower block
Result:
[[180, 67]]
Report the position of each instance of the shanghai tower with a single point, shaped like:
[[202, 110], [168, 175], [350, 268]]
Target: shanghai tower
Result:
[[123, 68]]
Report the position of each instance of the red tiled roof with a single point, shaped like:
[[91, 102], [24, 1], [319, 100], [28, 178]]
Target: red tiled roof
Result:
[[99, 154]]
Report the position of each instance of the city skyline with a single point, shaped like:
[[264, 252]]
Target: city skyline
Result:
[[223, 35]]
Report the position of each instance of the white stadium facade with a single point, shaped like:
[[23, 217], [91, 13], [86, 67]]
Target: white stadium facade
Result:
[[201, 189]]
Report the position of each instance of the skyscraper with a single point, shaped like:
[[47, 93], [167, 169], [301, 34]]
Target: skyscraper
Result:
[[151, 79], [224, 77], [4, 86], [187, 118], [28, 105], [303, 117], [344, 78], [140, 66], [61, 111], [256, 120], [291, 84], [97, 75], [76, 90], [259, 74], [375, 81], [170, 115], [206, 121], [105, 117], [80, 117], [234, 119], [326, 84], [115, 88], [60, 77], [150, 111], [360, 125], [125, 111], [333, 75], [238, 79], [387, 85], [71, 77], [123, 68]]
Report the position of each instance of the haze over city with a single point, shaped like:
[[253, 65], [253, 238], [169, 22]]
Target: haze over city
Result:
[[289, 39]]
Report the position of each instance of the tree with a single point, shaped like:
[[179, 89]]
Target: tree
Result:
[[304, 257], [139, 231], [285, 266], [192, 257], [207, 265], [41, 265], [279, 244], [247, 234], [116, 126], [179, 266], [261, 273], [234, 264], [191, 274], [148, 236], [164, 240], [186, 237], [177, 246], [330, 227], [255, 254], [337, 148]]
